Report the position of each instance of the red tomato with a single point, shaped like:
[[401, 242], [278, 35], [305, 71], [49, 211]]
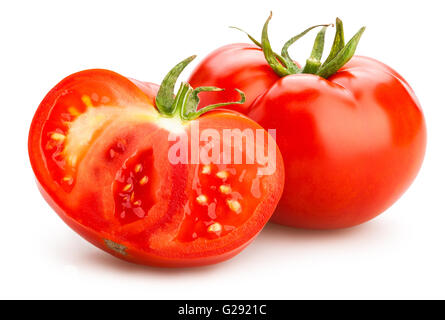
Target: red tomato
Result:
[[100, 151], [352, 142]]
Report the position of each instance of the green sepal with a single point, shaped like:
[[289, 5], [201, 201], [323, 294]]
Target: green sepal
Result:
[[165, 99], [339, 41], [279, 69], [193, 102], [342, 57], [291, 41], [313, 63], [257, 43], [184, 105], [283, 64]]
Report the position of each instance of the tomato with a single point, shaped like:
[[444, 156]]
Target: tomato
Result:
[[351, 130], [102, 147]]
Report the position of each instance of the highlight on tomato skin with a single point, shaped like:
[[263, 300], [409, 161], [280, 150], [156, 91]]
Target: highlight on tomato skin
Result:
[[350, 128], [102, 147]]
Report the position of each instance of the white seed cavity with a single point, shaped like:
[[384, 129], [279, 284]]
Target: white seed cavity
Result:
[[201, 199], [234, 206], [72, 159], [83, 128], [215, 227]]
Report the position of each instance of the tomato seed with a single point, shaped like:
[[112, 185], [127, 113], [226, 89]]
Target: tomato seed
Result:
[[215, 227], [127, 187], [87, 100], [206, 170], [201, 199], [222, 174], [143, 181], [138, 168], [234, 205], [225, 189]]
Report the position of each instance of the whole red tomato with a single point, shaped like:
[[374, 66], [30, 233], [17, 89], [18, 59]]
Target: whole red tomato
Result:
[[102, 154], [351, 130]]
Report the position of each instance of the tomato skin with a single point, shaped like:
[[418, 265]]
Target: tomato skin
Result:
[[88, 206], [351, 144], [135, 255], [235, 66]]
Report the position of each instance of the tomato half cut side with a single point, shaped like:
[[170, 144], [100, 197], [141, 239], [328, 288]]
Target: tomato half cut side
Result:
[[100, 151]]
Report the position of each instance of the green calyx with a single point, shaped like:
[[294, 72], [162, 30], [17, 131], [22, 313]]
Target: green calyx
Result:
[[284, 65], [185, 103]]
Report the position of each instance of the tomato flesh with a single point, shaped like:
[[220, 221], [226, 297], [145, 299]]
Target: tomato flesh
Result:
[[133, 196], [99, 149], [221, 202]]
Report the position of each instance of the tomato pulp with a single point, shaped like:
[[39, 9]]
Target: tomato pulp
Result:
[[101, 151]]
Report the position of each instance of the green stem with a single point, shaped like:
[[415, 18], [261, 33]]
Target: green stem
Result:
[[313, 63], [181, 99], [284, 65], [257, 43], [194, 100], [184, 105], [165, 98], [279, 69]]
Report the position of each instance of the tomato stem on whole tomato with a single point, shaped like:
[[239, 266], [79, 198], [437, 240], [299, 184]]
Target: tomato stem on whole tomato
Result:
[[284, 65], [185, 103], [285, 53], [279, 69], [282, 59], [313, 63]]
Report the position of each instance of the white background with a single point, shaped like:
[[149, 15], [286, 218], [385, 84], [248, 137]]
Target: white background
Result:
[[398, 255]]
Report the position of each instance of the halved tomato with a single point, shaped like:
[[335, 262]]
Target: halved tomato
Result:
[[120, 171]]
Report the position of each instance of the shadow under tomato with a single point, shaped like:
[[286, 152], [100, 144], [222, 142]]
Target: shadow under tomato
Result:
[[104, 260], [75, 253], [274, 229], [272, 236], [276, 233]]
